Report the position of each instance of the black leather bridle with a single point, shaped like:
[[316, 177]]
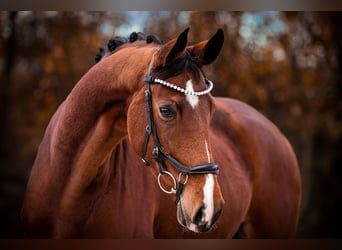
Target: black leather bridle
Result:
[[158, 154]]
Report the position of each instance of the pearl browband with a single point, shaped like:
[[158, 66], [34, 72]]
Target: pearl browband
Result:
[[152, 79]]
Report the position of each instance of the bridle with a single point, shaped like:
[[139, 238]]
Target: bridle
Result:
[[158, 154]]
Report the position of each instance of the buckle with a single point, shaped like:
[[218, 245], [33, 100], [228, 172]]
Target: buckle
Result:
[[149, 79], [155, 154]]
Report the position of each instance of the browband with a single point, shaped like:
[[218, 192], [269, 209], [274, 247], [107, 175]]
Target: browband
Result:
[[152, 79]]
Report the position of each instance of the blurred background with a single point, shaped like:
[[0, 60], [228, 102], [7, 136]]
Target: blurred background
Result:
[[285, 64]]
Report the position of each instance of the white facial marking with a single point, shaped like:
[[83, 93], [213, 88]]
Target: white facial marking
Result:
[[192, 227], [207, 150], [208, 200], [192, 99], [208, 191]]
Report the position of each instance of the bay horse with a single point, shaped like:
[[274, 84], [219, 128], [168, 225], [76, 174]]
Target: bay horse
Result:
[[141, 149]]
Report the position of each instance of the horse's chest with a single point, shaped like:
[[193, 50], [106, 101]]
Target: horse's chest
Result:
[[125, 207]]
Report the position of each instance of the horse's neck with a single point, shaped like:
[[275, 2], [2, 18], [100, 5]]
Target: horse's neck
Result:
[[86, 129], [92, 119]]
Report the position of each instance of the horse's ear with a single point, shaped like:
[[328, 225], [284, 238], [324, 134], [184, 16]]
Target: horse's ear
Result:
[[208, 50], [172, 50]]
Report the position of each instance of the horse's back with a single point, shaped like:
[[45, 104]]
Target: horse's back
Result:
[[267, 161]]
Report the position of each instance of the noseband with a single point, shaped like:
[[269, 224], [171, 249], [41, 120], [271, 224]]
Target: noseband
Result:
[[158, 154]]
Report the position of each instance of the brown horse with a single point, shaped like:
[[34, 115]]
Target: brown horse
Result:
[[228, 169]]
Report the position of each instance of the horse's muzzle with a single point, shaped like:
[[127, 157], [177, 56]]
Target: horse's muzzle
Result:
[[196, 223]]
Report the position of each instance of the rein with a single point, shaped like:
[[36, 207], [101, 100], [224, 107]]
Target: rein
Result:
[[158, 154]]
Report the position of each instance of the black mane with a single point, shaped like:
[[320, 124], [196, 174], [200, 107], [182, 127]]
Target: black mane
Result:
[[115, 43], [185, 63]]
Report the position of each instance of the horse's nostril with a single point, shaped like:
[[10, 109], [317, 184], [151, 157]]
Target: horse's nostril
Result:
[[200, 216]]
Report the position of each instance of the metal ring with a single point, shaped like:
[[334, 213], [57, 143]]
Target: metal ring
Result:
[[186, 177], [173, 189]]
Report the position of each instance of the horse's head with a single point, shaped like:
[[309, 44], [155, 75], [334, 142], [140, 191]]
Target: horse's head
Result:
[[168, 124]]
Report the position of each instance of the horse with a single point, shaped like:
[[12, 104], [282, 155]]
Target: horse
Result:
[[141, 149]]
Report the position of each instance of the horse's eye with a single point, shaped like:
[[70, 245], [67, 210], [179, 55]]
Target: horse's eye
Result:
[[167, 112]]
